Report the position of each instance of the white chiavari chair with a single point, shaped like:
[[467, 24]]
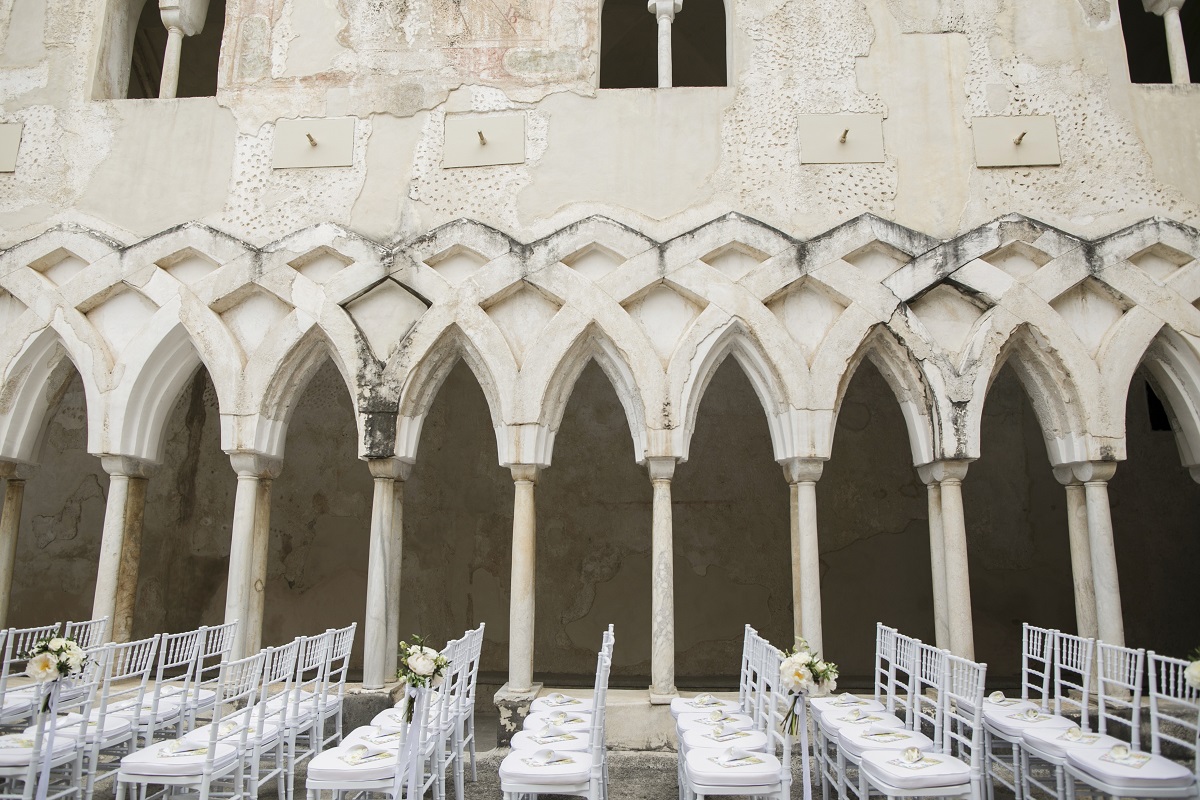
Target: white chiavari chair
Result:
[[89, 634], [336, 672], [18, 702]]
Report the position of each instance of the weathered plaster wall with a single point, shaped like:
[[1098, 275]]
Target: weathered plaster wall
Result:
[[683, 155], [594, 524]]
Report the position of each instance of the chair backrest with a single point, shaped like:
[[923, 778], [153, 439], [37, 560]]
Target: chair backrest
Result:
[[216, 645], [759, 650], [92, 633], [177, 655], [598, 747], [777, 701], [73, 695], [1037, 656], [409, 781], [962, 733], [475, 655], [17, 643], [902, 671], [127, 669], [1174, 705], [1074, 657], [452, 693], [744, 675], [278, 672], [312, 659], [237, 687], [925, 706], [885, 658], [339, 658], [1119, 693]]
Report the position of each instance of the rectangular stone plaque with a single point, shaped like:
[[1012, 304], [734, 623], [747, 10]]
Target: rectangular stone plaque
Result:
[[474, 140], [314, 142], [1015, 141], [840, 138], [10, 141]]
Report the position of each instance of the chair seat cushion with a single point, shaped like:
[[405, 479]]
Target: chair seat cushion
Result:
[[835, 720], [1138, 771], [115, 727], [574, 741], [375, 736], [857, 741], [168, 708], [517, 768], [703, 768], [568, 720], [1056, 742], [738, 722], [230, 730], [561, 702], [18, 702], [708, 739], [1013, 724], [175, 758], [700, 703], [16, 749], [845, 702], [935, 770], [344, 763]]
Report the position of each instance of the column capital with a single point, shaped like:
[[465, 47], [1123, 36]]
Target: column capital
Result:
[[664, 9], [255, 465], [1090, 471], [21, 471], [392, 468], [1064, 474], [1161, 7], [661, 468], [950, 469], [126, 465], [802, 470], [525, 473]]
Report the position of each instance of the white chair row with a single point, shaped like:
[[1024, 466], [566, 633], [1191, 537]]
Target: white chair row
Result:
[[398, 759], [562, 749]]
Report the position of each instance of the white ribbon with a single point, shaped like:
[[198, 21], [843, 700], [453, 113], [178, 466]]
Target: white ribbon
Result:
[[43, 786], [803, 712]]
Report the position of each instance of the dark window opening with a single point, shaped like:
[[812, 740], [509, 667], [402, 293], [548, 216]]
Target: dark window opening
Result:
[[198, 60], [1146, 42], [629, 45], [1159, 420]]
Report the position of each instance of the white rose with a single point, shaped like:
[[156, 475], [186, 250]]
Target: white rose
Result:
[[42, 667], [421, 664], [57, 643], [794, 674], [831, 685], [803, 657], [429, 651], [75, 662], [1192, 674], [74, 649]]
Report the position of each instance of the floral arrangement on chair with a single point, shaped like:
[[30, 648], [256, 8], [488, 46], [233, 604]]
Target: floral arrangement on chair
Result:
[[54, 658], [420, 666], [803, 674], [1192, 673]]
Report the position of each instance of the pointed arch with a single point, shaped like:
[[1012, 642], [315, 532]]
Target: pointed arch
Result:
[[693, 367], [30, 391], [592, 344], [908, 383], [425, 379], [1174, 368]]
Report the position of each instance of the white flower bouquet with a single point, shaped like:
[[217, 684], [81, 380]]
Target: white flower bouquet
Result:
[[420, 665], [1192, 673], [803, 674], [54, 658]]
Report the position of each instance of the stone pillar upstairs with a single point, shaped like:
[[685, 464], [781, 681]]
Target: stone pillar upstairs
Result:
[[662, 584], [248, 548], [514, 698], [949, 475], [802, 475], [1095, 475], [1081, 552], [1176, 49], [383, 572], [664, 12], [121, 544], [181, 18], [14, 476], [937, 558]]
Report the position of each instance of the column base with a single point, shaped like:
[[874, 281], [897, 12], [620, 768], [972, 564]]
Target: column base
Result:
[[657, 699], [513, 706]]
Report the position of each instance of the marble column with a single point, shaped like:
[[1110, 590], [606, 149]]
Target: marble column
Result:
[[959, 626], [258, 569], [383, 573], [250, 536], [524, 576], [14, 476], [394, 561], [120, 544], [664, 12], [1094, 475], [937, 558], [168, 85], [802, 475], [662, 584], [1081, 552]]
